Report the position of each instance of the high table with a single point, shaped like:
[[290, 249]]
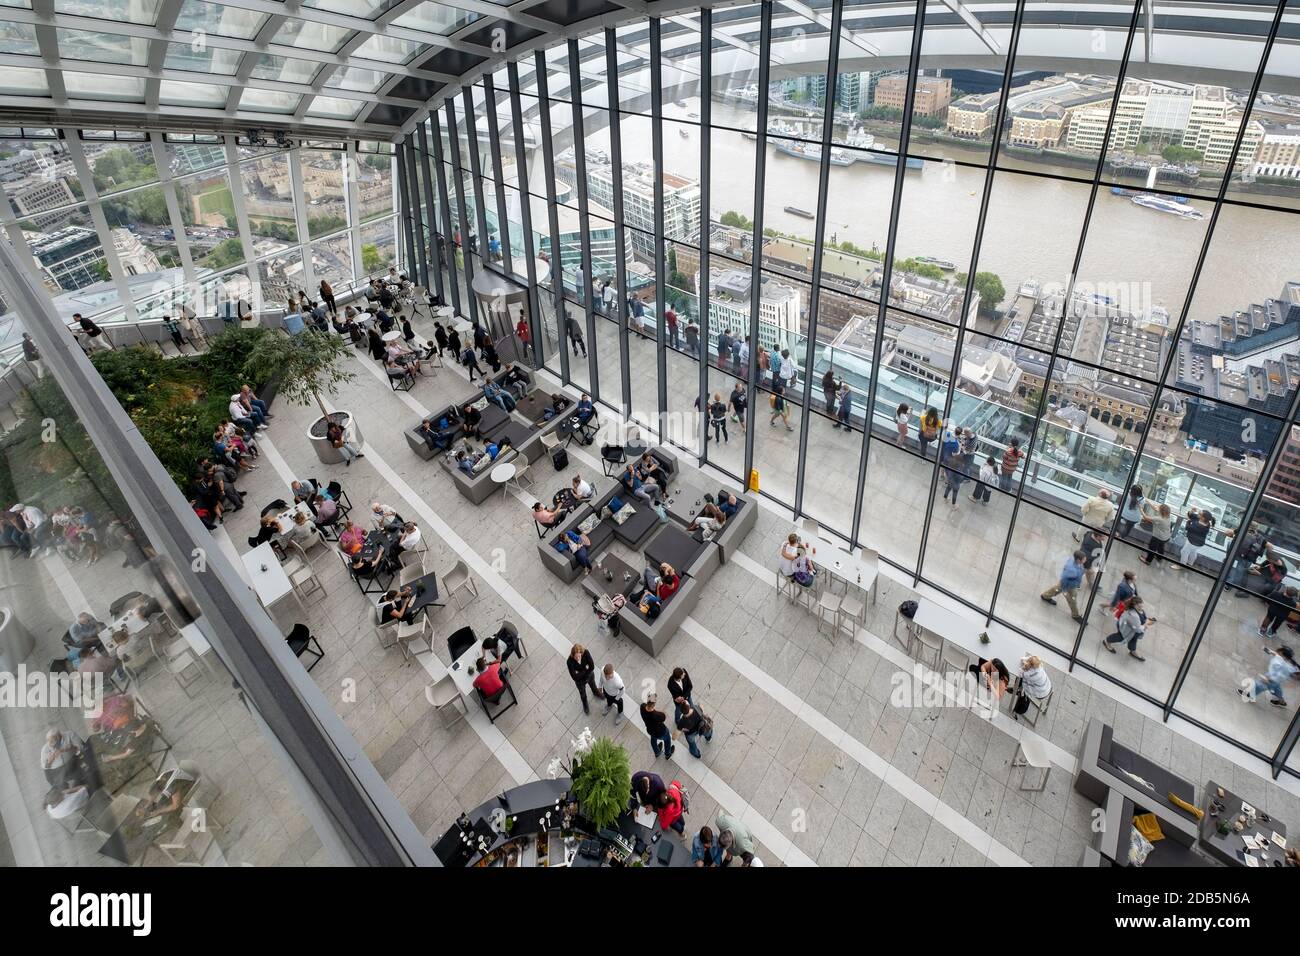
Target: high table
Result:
[[1229, 847], [965, 633], [847, 567], [424, 592], [267, 577]]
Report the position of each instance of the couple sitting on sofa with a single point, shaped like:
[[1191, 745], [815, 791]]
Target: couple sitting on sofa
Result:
[[714, 514], [471, 460], [441, 431], [645, 479], [656, 588]]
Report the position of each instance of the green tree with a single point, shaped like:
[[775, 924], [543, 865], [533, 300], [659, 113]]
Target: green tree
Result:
[[1181, 154], [990, 288], [228, 252], [672, 260], [309, 365], [371, 261], [602, 780], [733, 218]]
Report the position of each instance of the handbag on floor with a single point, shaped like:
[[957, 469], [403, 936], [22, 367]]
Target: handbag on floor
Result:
[[560, 459]]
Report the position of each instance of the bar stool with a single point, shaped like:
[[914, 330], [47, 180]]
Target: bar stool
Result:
[[784, 585], [1032, 752], [926, 648], [828, 605], [954, 660]]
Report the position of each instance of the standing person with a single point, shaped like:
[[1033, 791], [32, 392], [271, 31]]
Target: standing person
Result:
[[174, 330], [609, 295], [1162, 529], [1281, 666], [830, 389], [1131, 512], [1068, 583], [789, 374], [779, 407], [931, 426], [988, 477], [327, 296], [734, 838], [693, 724], [1131, 627], [1097, 511], [582, 670], [1199, 525], [718, 418], [440, 338], [453, 343], [646, 787], [575, 336], [739, 403], [468, 360], [724, 347], [524, 335], [611, 686], [680, 688], [1253, 544], [669, 808], [845, 409], [1278, 606], [692, 337], [764, 365], [32, 355], [969, 446], [704, 848], [1010, 459], [193, 330], [901, 419], [1092, 546], [735, 355], [950, 459], [408, 333], [670, 320], [656, 725]]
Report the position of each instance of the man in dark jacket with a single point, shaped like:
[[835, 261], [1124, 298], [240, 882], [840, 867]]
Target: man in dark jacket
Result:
[[582, 669]]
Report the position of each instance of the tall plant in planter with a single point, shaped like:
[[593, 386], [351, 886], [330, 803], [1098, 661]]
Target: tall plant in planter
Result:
[[602, 781], [309, 365]]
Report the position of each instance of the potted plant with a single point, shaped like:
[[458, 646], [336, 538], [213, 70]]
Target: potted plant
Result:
[[602, 782], [309, 365]]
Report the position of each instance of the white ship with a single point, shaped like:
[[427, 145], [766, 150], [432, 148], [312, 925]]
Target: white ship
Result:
[[1163, 204]]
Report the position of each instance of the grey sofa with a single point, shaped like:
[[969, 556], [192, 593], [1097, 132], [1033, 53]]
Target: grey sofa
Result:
[[694, 565]]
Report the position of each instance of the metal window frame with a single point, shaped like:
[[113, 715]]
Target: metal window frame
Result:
[[440, 170], [620, 221], [552, 215], [536, 359], [498, 180], [661, 253], [476, 174], [584, 218], [703, 291], [466, 257], [430, 204]]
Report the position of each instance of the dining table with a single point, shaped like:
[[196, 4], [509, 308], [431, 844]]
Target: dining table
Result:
[[424, 593], [850, 568], [265, 575], [285, 519]]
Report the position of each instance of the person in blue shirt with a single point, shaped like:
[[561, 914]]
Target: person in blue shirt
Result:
[[466, 462], [646, 490], [494, 247], [728, 504], [293, 323], [705, 850], [1281, 666], [577, 544], [585, 410], [498, 396], [1068, 584]]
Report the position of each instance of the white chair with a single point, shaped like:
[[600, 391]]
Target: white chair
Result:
[[550, 441], [1037, 708], [416, 632], [408, 558], [444, 696], [784, 585], [853, 610], [954, 660], [1032, 752], [302, 576], [188, 846], [828, 607], [459, 579], [521, 472], [869, 557], [181, 661], [315, 542], [810, 528], [926, 648], [411, 571]]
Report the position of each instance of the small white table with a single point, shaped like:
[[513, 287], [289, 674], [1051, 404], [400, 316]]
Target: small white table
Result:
[[847, 567], [267, 577], [502, 473], [284, 520], [132, 620], [444, 312], [459, 671], [462, 326], [392, 335]]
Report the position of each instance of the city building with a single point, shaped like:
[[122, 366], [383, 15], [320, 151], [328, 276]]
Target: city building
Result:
[[135, 257], [681, 203], [71, 257], [779, 323], [933, 94]]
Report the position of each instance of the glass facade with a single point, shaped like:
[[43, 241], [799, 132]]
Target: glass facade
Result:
[[1091, 288]]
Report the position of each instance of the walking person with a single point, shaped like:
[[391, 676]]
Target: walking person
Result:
[[1161, 520], [32, 355], [1093, 547], [174, 330], [453, 344], [988, 477], [656, 725], [717, 418], [1281, 666], [582, 669], [789, 374], [779, 407], [611, 686], [575, 336], [524, 335], [830, 390], [693, 724], [1126, 589], [1131, 512], [680, 688], [1010, 460], [1132, 626], [1278, 607], [1199, 525], [739, 403], [845, 409], [929, 430], [468, 360], [327, 296], [901, 419], [1068, 583]]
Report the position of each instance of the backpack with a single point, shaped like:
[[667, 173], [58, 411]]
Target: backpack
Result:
[[908, 609]]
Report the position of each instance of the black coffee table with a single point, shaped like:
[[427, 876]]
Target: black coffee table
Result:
[[596, 585], [1228, 848], [424, 592], [684, 503]]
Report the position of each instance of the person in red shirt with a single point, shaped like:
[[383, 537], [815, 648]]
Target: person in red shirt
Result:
[[1010, 459], [521, 330], [668, 808], [669, 582], [489, 681], [670, 320]]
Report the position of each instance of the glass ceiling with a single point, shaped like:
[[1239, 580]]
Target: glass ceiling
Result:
[[370, 66]]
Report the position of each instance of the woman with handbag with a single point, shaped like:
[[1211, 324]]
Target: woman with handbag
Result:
[[693, 724]]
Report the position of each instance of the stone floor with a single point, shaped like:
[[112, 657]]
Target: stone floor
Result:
[[808, 746]]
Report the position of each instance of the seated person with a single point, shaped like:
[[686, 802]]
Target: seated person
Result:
[[361, 567], [558, 404], [59, 756], [515, 379], [83, 636], [727, 503], [650, 579], [581, 489], [396, 606], [710, 520], [498, 448], [499, 396], [650, 605], [632, 483], [586, 411], [472, 419], [396, 372], [325, 509], [300, 531], [351, 539], [163, 810], [120, 752], [440, 433], [305, 490], [268, 529], [385, 516], [805, 572], [500, 646], [411, 537], [548, 517], [577, 544], [669, 581], [649, 469], [491, 678], [465, 461]]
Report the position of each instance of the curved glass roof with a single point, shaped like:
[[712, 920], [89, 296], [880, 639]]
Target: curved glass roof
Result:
[[374, 67]]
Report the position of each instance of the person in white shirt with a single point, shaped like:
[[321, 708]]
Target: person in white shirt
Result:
[[789, 553], [384, 515], [57, 754], [1034, 684], [988, 478], [611, 685], [411, 537], [582, 489]]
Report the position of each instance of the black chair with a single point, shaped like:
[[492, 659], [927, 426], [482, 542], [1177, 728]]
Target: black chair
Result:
[[612, 457], [340, 498], [460, 641], [302, 641], [496, 698], [404, 383]]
